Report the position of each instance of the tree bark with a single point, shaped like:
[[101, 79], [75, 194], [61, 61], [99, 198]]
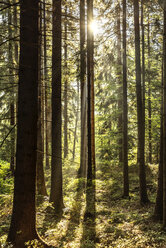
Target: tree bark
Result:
[[41, 188], [149, 99], [15, 21], [164, 123], [76, 121], [56, 195], [46, 89], [12, 105], [141, 159], [90, 84], [65, 90], [158, 212], [119, 76], [125, 110], [23, 222], [143, 68], [83, 162]]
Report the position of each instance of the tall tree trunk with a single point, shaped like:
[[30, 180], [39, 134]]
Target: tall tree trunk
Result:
[[12, 105], [90, 82], [76, 121], [83, 162], [92, 95], [119, 76], [149, 99], [158, 212], [23, 222], [41, 188], [46, 88], [15, 21], [164, 122], [56, 195], [143, 67], [65, 90], [141, 159], [125, 109]]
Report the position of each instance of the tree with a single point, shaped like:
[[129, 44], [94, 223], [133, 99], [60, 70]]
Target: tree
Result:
[[125, 109], [83, 90], [46, 86], [158, 212], [141, 159], [119, 76], [90, 84], [164, 121], [65, 87], [143, 66], [12, 103], [56, 195], [149, 98], [41, 187], [23, 222]]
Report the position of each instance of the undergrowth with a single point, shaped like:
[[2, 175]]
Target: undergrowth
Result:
[[109, 221]]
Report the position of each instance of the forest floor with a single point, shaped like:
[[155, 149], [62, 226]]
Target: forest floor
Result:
[[113, 221]]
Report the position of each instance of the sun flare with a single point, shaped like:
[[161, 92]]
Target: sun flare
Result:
[[94, 27]]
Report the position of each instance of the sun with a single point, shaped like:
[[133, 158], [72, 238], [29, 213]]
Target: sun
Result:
[[94, 27]]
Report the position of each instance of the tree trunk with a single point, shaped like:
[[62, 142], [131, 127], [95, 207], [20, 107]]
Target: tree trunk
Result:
[[76, 122], [149, 100], [46, 89], [125, 110], [119, 76], [164, 123], [83, 162], [41, 188], [141, 159], [12, 105], [158, 212], [90, 84], [65, 90], [143, 68], [23, 222], [15, 21], [56, 195]]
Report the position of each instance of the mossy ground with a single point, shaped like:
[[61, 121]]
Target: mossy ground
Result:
[[112, 221]]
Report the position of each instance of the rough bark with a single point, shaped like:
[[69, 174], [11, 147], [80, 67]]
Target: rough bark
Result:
[[76, 121], [149, 99], [125, 110], [90, 85], [141, 159], [83, 162], [119, 76], [158, 212], [143, 67], [91, 55], [65, 89], [46, 88], [56, 195], [41, 188], [15, 21], [12, 104], [23, 222], [164, 123]]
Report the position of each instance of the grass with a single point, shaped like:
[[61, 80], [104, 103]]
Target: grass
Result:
[[110, 221]]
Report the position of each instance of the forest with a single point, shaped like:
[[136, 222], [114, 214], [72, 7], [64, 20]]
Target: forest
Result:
[[83, 123]]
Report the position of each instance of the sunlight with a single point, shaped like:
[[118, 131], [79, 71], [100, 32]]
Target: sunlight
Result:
[[94, 27]]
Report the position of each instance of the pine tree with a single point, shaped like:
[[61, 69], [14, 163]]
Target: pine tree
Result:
[[141, 158], [23, 222], [125, 109], [56, 195]]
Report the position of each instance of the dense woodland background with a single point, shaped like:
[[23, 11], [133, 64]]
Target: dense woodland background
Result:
[[83, 123]]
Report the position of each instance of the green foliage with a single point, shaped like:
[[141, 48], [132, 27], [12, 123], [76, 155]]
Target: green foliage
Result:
[[6, 181]]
